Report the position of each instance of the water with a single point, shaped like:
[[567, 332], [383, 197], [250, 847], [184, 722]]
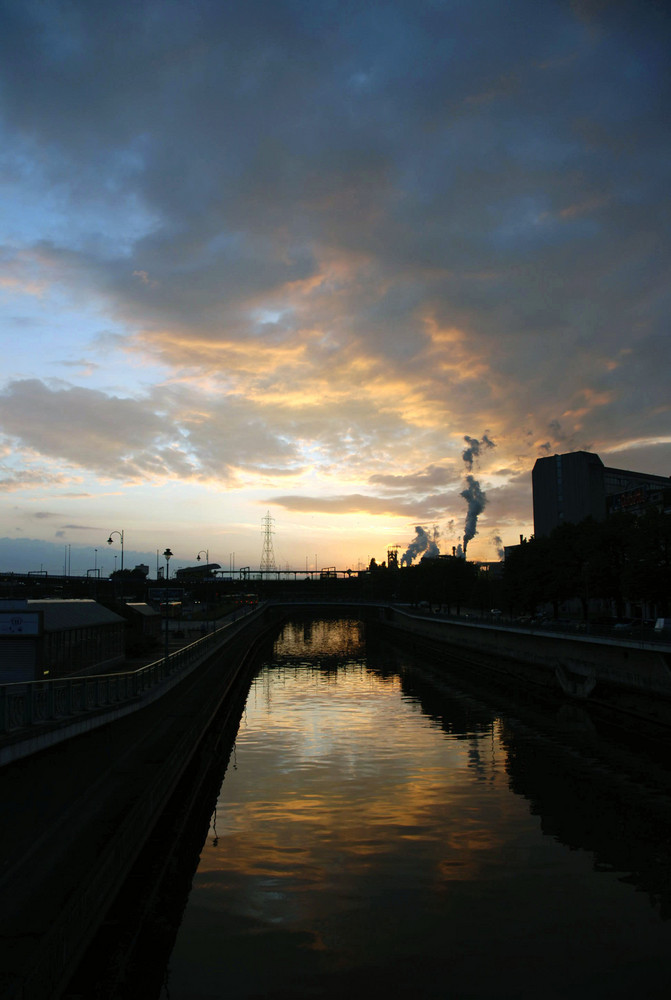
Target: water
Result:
[[379, 831]]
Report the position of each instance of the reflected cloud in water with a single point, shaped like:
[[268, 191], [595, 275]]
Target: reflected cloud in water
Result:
[[383, 824]]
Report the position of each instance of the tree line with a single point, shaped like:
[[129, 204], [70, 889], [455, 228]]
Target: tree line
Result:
[[624, 561]]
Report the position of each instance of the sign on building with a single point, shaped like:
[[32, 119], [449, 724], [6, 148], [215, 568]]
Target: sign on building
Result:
[[16, 623]]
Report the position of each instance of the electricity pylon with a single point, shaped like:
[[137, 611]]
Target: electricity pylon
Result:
[[267, 556]]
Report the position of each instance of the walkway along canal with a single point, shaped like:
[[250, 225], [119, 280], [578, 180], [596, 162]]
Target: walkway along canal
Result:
[[76, 815]]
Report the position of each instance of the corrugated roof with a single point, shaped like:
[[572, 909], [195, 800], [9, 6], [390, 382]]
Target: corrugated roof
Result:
[[144, 609], [66, 614]]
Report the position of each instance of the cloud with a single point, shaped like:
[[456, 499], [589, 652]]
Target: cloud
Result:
[[435, 507], [324, 247], [13, 480], [127, 438], [346, 504], [427, 479]]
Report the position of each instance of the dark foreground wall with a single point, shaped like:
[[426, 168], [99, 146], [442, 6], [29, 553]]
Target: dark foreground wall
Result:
[[75, 817], [624, 676]]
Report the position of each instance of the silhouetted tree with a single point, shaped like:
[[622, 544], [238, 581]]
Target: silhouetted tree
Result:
[[621, 558]]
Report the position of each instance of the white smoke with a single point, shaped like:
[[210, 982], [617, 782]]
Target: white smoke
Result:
[[422, 542], [432, 549]]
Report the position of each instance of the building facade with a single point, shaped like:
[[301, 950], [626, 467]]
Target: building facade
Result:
[[53, 638], [569, 488]]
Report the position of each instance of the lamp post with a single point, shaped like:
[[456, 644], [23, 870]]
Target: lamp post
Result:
[[110, 540], [207, 563], [166, 555]]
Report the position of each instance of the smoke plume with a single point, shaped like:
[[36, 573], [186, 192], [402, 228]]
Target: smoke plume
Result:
[[422, 542], [476, 501], [473, 495], [472, 452], [498, 542], [432, 550]]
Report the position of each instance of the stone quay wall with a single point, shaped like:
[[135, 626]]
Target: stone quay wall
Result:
[[626, 675]]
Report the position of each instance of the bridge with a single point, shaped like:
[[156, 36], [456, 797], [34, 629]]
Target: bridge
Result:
[[77, 811]]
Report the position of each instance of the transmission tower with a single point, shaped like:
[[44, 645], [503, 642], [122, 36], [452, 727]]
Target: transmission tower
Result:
[[267, 556]]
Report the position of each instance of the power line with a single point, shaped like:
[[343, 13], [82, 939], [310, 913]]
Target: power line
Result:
[[267, 556]]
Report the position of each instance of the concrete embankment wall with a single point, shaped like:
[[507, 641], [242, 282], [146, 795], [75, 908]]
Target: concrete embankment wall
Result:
[[627, 676], [76, 816]]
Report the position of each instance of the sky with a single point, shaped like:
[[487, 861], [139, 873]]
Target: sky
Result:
[[323, 261]]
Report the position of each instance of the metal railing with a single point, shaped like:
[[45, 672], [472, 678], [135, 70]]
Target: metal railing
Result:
[[25, 705], [624, 632]]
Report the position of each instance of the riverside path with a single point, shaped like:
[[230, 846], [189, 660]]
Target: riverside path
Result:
[[75, 816]]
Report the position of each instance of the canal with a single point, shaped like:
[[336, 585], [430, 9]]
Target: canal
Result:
[[389, 824]]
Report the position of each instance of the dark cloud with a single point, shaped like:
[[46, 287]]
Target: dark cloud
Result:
[[345, 235], [428, 479]]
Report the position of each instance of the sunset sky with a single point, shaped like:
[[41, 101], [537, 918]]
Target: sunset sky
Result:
[[300, 257]]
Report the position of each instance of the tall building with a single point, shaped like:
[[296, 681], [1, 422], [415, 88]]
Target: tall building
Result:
[[568, 488]]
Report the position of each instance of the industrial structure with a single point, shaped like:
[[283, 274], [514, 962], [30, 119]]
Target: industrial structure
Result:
[[267, 556]]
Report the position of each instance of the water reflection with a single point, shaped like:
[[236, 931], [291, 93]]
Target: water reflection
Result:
[[384, 831]]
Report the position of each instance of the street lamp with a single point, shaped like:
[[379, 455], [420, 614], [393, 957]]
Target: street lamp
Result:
[[110, 540], [166, 555], [207, 563]]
